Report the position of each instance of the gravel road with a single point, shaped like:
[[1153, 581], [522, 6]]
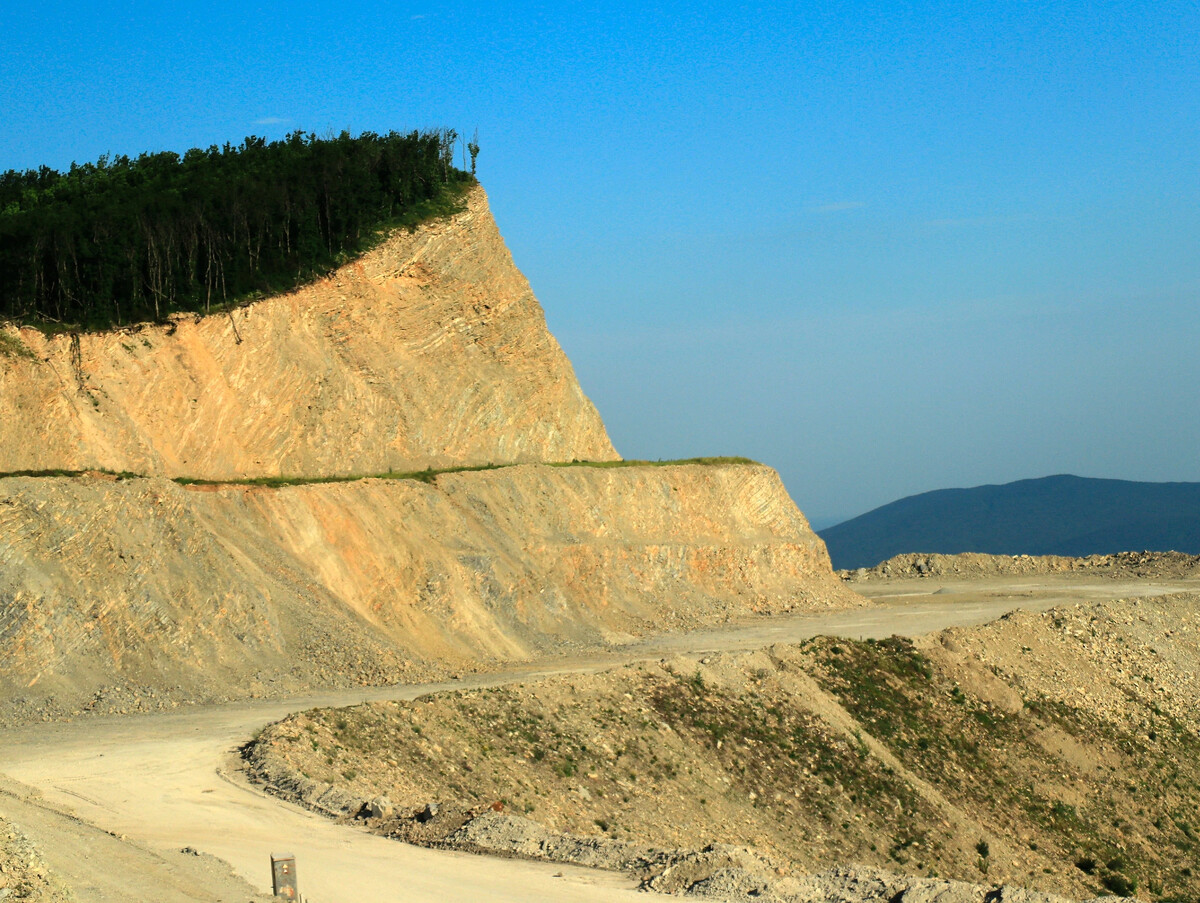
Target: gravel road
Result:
[[111, 802]]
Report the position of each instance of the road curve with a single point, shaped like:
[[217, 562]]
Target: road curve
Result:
[[119, 797]]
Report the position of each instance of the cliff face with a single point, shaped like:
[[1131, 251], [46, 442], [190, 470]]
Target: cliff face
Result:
[[210, 592], [429, 351]]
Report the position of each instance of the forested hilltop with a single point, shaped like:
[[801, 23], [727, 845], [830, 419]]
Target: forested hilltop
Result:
[[126, 240], [1058, 515]]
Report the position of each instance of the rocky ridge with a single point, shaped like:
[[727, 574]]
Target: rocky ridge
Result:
[[974, 564], [121, 590], [429, 351]]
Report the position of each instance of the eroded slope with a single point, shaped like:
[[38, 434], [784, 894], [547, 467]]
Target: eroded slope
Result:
[[141, 592], [429, 351]]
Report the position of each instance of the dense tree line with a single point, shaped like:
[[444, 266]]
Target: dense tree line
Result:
[[125, 240]]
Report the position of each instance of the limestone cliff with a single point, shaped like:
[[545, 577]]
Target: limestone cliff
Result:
[[208, 592], [430, 350]]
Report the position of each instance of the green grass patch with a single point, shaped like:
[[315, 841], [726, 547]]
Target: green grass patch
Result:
[[765, 746], [56, 472]]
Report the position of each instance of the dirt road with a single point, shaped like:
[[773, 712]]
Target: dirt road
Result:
[[142, 788]]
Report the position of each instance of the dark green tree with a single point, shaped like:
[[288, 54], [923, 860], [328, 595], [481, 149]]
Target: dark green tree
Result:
[[473, 147], [123, 240]]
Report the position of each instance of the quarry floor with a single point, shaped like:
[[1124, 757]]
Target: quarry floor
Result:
[[112, 802]]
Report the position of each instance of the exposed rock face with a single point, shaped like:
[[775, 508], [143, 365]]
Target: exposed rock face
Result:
[[234, 590], [429, 351]]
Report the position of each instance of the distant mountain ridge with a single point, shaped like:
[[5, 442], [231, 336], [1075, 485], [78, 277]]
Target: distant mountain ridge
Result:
[[1057, 515]]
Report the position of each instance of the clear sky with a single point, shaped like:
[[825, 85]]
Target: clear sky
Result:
[[883, 247]]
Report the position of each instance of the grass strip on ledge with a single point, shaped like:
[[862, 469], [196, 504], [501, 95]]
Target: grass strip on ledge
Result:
[[721, 461], [59, 472], [429, 475]]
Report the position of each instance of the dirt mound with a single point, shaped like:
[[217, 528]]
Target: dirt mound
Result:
[[430, 350], [972, 564], [24, 874], [128, 595], [1057, 751]]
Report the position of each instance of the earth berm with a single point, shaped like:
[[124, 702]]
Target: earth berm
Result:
[[1055, 750]]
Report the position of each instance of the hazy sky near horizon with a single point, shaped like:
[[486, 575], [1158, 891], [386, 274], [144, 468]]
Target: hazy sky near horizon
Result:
[[884, 247]]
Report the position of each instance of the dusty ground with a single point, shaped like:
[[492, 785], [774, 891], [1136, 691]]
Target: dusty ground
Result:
[[59, 857], [154, 778]]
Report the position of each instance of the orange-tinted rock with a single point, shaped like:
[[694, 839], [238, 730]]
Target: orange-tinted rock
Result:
[[430, 350]]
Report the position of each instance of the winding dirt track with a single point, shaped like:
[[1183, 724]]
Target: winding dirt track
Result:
[[112, 801]]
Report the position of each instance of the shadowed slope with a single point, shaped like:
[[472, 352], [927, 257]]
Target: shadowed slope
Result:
[[1060, 515]]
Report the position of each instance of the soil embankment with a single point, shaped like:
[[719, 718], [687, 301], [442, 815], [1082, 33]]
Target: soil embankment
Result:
[[969, 565], [1056, 750], [429, 351], [126, 595], [24, 874]]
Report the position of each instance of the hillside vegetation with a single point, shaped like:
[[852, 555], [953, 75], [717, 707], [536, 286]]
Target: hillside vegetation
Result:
[[1055, 750], [124, 240], [1059, 515]]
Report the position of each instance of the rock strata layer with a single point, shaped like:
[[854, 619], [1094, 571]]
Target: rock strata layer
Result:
[[429, 351]]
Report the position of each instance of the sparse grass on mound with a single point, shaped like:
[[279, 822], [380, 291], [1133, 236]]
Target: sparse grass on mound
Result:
[[1070, 763], [1036, 771], [11, 346], [646, 753]]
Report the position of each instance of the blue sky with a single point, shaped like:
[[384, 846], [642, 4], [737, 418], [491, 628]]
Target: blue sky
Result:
[[883, 247]]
